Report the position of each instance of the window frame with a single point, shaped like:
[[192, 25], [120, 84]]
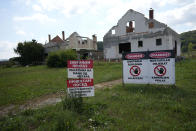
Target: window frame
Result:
[[140, 42], [158, 43]]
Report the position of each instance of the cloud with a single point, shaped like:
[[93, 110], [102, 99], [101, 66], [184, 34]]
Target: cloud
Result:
[[37, 8], [7, 49], [42, 18], [21, 32], [106, 13], [184, 16]]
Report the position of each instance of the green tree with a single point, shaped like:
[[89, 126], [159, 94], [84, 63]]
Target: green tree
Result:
[[100, 45], [30, 52], [190, 48]]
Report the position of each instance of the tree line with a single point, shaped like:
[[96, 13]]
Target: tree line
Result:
[[188, 40]]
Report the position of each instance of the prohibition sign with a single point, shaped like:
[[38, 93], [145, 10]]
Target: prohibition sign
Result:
[[160, 70], [135, 71]]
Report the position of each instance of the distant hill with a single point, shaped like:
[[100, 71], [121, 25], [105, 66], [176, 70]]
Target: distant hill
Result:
[[2, 60], [187, 37]]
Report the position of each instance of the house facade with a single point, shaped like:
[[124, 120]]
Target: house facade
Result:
[[134, 33], [76, 42]]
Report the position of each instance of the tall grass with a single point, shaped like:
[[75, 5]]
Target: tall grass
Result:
[[133, 107]]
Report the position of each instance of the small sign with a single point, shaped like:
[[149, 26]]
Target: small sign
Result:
[[134, 65], [80, 78], [162, 65], [151, 67], [80, 87], [80, 69]]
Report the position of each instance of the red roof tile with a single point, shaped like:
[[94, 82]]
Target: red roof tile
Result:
[[57, 39]]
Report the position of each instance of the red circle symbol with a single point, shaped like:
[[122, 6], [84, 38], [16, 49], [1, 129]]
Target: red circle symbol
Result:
[[160, 70], [135, 70]]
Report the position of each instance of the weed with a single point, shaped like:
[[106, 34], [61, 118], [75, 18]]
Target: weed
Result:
[[73, 104], [64, 124]]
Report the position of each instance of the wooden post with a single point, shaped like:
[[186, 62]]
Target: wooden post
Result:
[[123, 85]]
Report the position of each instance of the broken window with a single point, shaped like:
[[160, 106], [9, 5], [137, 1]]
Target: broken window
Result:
[[113, 32], [130, 27], [140, 43], [158, 42], [124, 47], [84, 40]]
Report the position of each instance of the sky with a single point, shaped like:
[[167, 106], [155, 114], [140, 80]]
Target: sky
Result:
[[24, 20]]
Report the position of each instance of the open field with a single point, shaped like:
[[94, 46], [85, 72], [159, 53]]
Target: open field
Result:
[[134, 107], [23, 83]]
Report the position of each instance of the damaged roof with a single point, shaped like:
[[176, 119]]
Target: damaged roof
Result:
[[57, 39]]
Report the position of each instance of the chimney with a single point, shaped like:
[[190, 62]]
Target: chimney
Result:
[[63, 35], [94, 38], [49, 38], [151, 13], [94, 42]]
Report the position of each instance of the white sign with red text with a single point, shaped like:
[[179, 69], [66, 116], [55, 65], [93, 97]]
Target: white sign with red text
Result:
[[80, 68], [80, 78], [80, 87], [162, 69], [150, 67]]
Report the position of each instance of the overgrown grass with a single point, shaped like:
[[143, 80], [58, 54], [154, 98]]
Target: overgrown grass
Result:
[[23, 83], [133, 107]]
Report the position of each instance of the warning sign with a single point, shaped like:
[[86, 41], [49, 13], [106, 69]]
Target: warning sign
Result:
[[81, 82], [160, 70], [135, 70], [152, 67], [80, 69], [80, 87]]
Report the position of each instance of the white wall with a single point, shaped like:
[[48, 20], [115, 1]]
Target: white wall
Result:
[[112, 52], [140, 25], [149, 44]]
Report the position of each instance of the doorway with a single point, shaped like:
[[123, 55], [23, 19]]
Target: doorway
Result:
[[124, 47], [175, 48]]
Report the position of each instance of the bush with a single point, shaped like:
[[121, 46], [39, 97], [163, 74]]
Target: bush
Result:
[[73, 104], [53, 60], [59, 58], [64, 123], [184, 48]]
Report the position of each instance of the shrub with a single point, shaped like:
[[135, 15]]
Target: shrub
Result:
[[64, 123], [59, 58], [53, 60], [184, 49], [73, 104]]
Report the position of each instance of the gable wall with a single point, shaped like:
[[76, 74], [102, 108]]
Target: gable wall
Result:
[[140, 25]]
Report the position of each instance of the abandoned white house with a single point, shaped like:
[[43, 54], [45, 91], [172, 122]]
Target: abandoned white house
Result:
[[134, 32], [83, 45]]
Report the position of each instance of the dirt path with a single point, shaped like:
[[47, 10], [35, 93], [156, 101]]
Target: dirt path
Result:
[[50, 99]]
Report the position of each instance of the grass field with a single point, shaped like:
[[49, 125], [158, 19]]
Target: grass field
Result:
[[23, 83], [134, 107]]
